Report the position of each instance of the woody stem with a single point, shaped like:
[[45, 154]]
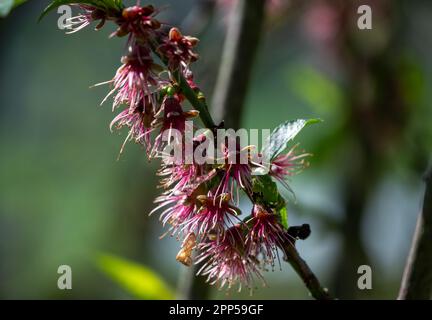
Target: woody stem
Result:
[[305, 273], [197, 101]]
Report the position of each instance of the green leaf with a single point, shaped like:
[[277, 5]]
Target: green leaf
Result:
[[138, 280], [282, 211], [266, 193], [116, 5], [7, 5], [278, 140], [265, 189], [283, 214]]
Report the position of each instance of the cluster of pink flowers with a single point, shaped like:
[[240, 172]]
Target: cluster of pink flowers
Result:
[[199, 203]]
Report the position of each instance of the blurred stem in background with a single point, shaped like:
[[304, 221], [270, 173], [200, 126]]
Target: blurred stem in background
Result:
[[417, 279], [241, 44], [376, 120], [200, 18]]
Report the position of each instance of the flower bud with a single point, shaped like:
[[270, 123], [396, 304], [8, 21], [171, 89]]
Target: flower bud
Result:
[[132, 13], [175, 35], [191, 114]]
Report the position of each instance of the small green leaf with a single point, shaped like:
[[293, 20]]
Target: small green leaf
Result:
[[139, 281], [266, 193], [278, 140], [265, 189], [283, 214]]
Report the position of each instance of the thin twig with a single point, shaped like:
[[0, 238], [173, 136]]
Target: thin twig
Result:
[[417, 278], [196, 100], [305, 273]]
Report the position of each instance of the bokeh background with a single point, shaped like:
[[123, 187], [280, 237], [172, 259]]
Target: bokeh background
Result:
[[64, 198]]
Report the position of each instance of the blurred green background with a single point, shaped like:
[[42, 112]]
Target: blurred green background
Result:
[[64, 198]]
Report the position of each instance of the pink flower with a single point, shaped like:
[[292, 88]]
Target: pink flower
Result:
[[135, 79], [174, 117], [186, 198], [284, 166], [179, 175], [89, 15], [215, 213], [138, 121], [265, 234], [172, 123], [177, 49], [181, 207], [236, 175], [184, 176], [226, 261], [139, 21]]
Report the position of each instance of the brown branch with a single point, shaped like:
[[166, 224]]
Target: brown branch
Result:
[[305, 273], [417, 278]]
